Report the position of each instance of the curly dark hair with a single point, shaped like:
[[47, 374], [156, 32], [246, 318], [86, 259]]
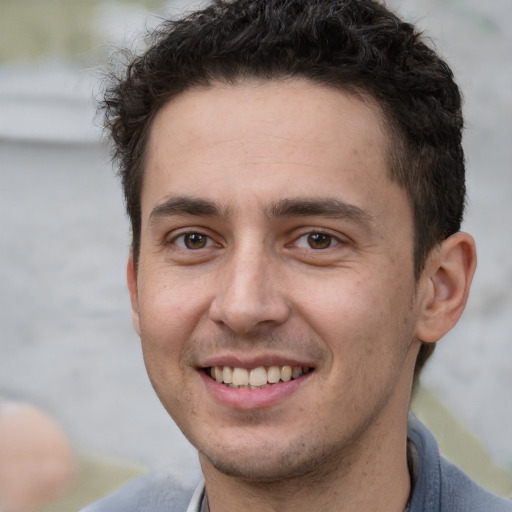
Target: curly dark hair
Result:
[[356, 46]]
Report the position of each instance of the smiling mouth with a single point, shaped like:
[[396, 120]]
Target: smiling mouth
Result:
[[255, 378]]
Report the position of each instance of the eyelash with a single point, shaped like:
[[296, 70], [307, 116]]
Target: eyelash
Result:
[[188, 235], [331, 239], [328, 239]]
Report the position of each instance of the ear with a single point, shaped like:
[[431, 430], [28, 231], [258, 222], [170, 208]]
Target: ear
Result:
[[131, 276], [445, 284]]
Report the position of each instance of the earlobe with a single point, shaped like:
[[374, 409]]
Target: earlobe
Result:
[[131, 276], [446, 281]]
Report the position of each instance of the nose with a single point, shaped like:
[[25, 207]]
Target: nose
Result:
[[250, 298]]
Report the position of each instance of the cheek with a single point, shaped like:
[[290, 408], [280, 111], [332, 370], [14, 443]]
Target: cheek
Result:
[[170, 307], [334, 302], [358, 313], [165, 328]]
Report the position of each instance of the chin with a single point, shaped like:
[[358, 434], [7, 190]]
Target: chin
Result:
[[264, 471], [266, 464]]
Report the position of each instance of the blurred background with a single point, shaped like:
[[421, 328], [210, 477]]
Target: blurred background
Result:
[[67, 344]]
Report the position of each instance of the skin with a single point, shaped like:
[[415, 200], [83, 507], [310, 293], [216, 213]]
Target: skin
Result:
[[249, 169]]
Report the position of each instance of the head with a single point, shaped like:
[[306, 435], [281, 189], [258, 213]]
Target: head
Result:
[[353, 46], [294, 177]]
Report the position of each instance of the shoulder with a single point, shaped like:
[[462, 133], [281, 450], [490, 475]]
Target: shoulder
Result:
[[147, 493], [441, 486], [459, 490]]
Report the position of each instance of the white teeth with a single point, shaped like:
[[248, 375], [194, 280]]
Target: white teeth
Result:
[[256, 378], [286, 373], [240, 377], [218, 373], [227, 374], [274, 374]]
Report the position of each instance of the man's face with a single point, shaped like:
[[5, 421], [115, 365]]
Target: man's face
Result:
[[273, 239]]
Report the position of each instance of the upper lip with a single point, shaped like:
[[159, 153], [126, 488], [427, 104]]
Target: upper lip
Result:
[[254, 361]]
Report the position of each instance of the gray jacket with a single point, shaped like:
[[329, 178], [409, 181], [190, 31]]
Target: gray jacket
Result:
[[440, 487]]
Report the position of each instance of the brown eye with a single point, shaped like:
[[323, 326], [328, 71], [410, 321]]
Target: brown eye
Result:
[[195, 241], [319, 240], [192, 241]]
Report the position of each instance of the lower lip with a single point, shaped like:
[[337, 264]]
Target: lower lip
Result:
[[252, 398]]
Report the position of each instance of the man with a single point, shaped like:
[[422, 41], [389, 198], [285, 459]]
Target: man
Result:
[[294, 177]]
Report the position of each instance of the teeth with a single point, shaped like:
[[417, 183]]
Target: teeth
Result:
[[256, 378], [240, 376], [286, 373], [296, 372], [217, 373], [227, 374], [274, 374]]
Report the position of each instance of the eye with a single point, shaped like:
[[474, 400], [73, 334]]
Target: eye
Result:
[[317, 240], [193, 241]]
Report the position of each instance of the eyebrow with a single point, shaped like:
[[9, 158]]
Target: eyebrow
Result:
[[327, 207], [185, 205]]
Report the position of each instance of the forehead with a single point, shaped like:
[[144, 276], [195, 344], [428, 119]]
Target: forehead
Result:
[[290, 104], [281, 138]]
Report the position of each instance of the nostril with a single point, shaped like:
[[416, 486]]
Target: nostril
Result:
[[245, 318]]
